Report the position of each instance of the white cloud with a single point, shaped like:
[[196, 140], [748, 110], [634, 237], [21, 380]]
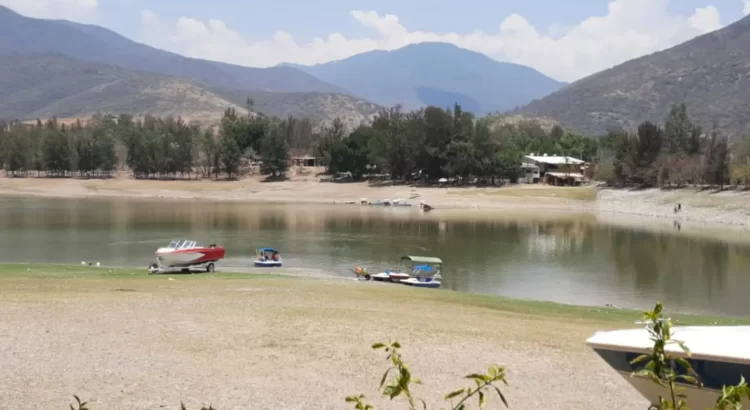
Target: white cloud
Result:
[[631, 28], [706, 19], [746, 9], [74, 10]]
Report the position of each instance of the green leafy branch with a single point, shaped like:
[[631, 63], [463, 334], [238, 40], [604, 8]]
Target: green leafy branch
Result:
[[402, 381], [731, 396], [483, 382], [661, 367]]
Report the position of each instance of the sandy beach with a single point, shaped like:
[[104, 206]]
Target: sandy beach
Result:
[[728, 208], [130, 341]]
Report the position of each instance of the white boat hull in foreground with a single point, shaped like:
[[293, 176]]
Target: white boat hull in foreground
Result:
[[719, 356]]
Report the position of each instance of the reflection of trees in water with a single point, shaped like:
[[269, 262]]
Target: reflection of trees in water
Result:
[[559, 240], [681, 267]]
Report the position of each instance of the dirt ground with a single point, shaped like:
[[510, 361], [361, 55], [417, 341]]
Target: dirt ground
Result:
[[279, 343]]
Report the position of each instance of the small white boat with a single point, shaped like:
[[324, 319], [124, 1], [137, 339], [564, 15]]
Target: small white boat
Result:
[[432, 283], [390, 276], [424, 275], [400, 202], [720, 355], [268, 258]]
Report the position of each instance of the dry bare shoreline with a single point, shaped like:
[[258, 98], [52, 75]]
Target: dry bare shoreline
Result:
[[724, 210]]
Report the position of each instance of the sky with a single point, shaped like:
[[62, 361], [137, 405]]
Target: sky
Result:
[[566, 40]]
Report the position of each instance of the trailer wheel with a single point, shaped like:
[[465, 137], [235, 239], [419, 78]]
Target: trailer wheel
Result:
[[210, 267]]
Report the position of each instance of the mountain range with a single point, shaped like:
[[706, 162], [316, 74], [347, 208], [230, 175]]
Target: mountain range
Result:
[[41, 85], [414, 76], [710, 74], [55, 67], [21, 34], [437, 74]]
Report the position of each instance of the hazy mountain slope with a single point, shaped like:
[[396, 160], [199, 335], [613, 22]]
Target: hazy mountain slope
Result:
[[710, 73], [22, 34], [42, 85], [435, 74]]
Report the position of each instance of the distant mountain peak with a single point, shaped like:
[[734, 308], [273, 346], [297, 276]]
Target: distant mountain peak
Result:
[[435, 73]]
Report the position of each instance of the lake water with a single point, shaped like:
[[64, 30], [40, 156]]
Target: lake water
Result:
[[569, 259]]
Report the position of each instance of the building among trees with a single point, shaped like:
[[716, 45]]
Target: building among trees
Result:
[[557, 170]]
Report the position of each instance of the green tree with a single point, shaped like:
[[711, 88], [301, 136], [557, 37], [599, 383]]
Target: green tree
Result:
[[274, 151], [17, 152], [329, 141], [106, 147], [57, 151], [210, 154], [678, 130], [231, 155], [645, 150], [352, 154]]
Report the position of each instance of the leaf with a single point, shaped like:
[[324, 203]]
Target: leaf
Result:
[[482, 400], [658, 309], [349, 399], [424, 404], [455, 393], [385, 375], [479, 377], [396, 345], [640, 359], [683, 346], [378, 346], [395, 392], [499, 393], [689, 379], [182, 406]]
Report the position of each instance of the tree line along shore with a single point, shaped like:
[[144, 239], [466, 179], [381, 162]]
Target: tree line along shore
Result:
[[422, 145]]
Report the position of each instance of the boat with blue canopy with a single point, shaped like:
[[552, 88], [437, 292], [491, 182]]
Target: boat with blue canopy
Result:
[[268, 258], [425, 276], [417, 271]]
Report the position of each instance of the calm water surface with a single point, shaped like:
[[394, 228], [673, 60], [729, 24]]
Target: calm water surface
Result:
[[573, 259]]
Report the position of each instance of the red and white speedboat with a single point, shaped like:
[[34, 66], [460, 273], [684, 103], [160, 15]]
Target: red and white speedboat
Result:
[[187, 253]]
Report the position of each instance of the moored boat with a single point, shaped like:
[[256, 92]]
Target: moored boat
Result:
[[423, 282], [268, 258], [188, 253], [719, 355], [425, 276]]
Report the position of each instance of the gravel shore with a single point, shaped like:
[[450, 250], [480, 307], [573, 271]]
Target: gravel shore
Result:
[[277, 344]]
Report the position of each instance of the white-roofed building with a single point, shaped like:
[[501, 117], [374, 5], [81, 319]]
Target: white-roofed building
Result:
[[558, 170]]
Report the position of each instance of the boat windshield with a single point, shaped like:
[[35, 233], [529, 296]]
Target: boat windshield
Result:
[[184, 244]]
